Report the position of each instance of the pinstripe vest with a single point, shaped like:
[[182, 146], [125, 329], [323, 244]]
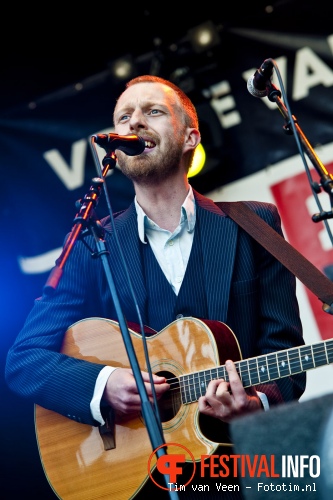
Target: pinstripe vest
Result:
[[165, 306]]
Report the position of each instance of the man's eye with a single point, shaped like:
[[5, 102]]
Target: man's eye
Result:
[[154, 111], [123, 118]]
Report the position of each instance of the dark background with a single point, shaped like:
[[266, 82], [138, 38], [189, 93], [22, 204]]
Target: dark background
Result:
[[45, 53]]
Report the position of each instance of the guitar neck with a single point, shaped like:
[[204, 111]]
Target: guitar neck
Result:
[[261, 369]]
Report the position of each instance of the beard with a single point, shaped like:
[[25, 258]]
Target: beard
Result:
[[153, 167]]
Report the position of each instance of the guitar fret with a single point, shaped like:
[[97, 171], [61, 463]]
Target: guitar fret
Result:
[[263, 369], [273, 367], [202, 384], [183, 383], [277, 363], [193, 384], [195, 387], [214, 374], [326, 352], [320, 354], [329, 344], [283, 363], [206, 378], [222, 373], [307, 360], [253, 368], [294, 360], [244, 373], [192, 387]]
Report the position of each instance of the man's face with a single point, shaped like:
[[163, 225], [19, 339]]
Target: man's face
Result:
[[151, 111]]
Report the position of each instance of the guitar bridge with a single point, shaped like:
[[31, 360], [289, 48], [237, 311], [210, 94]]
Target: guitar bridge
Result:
[[107, 430]]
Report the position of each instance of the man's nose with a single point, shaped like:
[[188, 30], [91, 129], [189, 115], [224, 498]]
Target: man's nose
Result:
[[138, 119]]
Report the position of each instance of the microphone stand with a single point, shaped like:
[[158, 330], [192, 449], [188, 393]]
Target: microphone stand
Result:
[[326, 179], [84, 223]]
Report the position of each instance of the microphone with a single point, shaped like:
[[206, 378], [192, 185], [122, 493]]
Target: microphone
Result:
[[257, 83], [131, 145]]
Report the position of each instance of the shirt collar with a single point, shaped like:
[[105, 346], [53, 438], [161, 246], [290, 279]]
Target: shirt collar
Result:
[[188, 213]]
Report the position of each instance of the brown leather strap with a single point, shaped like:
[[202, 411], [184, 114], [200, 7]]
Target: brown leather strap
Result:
[[305, 271]]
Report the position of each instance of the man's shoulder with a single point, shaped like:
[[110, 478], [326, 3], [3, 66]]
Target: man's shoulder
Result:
[[120, 218], [255, 205], [266, 210], [261, 206]]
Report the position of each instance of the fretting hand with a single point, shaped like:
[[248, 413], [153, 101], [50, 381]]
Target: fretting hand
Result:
[[226, 400]]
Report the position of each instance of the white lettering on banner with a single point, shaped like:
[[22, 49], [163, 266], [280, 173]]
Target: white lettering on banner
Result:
[[330, 43], [224, 104], [309, 71], [39, 263], [71, 175]]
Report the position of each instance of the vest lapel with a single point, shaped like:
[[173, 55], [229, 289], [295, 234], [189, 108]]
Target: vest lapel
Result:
[[127, 230]]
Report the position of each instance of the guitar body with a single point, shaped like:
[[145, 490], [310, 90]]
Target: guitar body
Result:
[[75, 460]]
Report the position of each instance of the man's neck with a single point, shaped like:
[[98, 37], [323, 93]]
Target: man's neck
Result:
[[163, 204]]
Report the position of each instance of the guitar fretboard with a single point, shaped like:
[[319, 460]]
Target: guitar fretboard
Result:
[[261, 369]]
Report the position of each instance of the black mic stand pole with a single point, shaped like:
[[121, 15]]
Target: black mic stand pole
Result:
[[326, 179], [85, 220]]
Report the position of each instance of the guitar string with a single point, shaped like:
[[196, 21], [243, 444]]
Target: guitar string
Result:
[[253, 366], [178, 389]]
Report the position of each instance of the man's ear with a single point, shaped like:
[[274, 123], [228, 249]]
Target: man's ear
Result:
[[193, 138]]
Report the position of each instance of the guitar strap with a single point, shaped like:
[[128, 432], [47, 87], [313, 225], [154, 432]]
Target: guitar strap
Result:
[[305, 271]]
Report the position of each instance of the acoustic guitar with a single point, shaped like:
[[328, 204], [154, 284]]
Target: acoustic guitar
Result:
[[83, 462]]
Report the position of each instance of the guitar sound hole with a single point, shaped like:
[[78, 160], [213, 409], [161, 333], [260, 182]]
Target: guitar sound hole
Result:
[[170, 403]]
